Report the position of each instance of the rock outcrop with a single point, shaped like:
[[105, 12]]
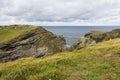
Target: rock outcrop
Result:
[[36, 43], [94, 37]]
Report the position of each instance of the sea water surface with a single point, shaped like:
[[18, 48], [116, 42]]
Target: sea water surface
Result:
[[73, 33]]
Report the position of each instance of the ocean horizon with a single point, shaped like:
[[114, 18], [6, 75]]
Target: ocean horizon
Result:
[[73, 33]]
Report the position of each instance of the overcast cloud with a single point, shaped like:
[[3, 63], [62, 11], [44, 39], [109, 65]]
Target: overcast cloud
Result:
[[60, 12]]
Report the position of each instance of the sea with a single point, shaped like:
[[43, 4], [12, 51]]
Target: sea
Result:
[[73, 33]]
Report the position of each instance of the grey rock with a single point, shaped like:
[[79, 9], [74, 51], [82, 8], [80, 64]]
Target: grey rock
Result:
[[36, 43], [94, 37]]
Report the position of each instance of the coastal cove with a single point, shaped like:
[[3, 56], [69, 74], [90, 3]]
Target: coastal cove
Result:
[[35, 53], [73, 33], [60, 40]]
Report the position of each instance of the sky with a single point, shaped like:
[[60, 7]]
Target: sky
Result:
[[60, 12]]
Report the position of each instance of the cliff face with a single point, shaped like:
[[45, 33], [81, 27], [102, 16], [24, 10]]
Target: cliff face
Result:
[[36, 43], [94, 37], [99, 36]]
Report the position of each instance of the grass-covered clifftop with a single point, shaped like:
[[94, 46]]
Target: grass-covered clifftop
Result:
[[8, 33], [95, 62]]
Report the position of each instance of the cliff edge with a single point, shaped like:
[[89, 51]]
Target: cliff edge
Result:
[[36, 42], [94, 37]]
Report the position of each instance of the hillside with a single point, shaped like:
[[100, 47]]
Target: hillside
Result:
[[18, 41], [95, 62]]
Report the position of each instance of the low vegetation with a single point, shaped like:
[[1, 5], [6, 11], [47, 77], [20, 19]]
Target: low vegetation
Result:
[[95, 62], [96, 33], [11, 32]]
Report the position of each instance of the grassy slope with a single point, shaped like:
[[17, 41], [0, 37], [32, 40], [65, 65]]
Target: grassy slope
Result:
[[99, 62], [9, 33], [97, 33]]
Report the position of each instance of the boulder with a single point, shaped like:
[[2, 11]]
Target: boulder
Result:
[[81, 43]]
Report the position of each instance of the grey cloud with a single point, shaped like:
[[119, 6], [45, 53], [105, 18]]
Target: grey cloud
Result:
[[60, 10]]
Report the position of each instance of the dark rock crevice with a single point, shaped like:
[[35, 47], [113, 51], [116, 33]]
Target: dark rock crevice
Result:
[[36, 43]]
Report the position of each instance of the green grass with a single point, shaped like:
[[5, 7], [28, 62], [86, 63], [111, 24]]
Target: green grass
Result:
[[9, 33], [97, 33], [98, 62]]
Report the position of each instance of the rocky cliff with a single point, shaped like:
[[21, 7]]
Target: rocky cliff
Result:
[[35, 43], [94, 37]]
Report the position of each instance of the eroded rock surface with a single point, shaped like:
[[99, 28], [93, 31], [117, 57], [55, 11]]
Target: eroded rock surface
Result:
[[94, 37], [36, 43]]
